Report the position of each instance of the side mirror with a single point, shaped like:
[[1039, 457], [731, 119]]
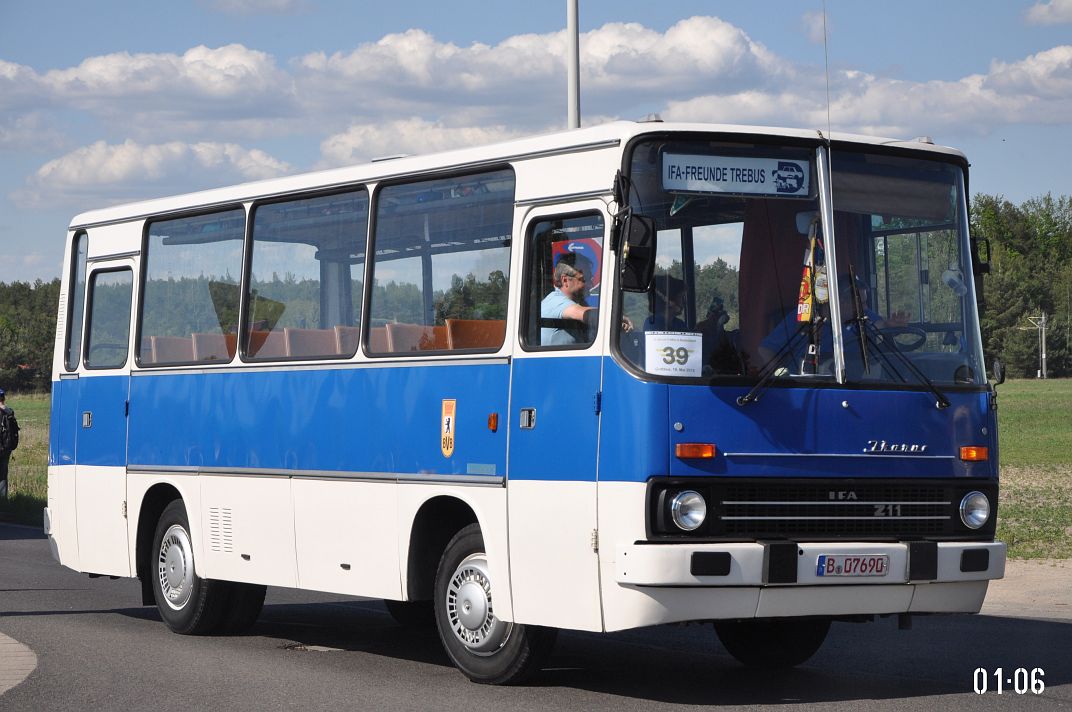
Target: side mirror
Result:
[[637, 240], [999, 372]]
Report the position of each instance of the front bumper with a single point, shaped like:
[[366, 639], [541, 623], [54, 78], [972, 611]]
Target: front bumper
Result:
[[795, 564], [661, 583], [650, 581]]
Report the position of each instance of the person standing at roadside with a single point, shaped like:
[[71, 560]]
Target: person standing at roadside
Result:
[[9, 440]]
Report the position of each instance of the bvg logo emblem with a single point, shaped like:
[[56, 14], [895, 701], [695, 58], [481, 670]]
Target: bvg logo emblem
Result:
[[447, 427]]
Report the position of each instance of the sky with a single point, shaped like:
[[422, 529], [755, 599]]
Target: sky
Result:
[[108, 102]]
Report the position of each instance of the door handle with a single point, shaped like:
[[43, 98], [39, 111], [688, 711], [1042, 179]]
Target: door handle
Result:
[[87, 419], [528, 418]]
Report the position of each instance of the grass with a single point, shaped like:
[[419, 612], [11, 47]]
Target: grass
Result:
[[1035, 430], [28, 469], [1035, 510], [1034, 423]]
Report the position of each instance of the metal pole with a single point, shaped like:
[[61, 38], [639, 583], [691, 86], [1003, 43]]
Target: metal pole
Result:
[[1039, 322], [573, 67], [1042, 328]]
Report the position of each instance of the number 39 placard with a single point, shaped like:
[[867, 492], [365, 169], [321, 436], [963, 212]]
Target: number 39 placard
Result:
[[673, 353]]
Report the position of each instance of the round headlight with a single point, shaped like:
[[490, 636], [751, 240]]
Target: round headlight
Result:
[[688, 510], [974, 510]]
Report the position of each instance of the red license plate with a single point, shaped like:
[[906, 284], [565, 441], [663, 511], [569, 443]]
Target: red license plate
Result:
[[852, 565]]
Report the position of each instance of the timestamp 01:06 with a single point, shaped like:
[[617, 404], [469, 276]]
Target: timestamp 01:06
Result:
[[1021, 681]]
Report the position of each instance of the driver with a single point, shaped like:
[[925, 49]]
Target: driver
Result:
[[787, 329], [568, 300]]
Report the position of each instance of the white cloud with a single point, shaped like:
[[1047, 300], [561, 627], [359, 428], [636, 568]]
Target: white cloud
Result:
[[1046, 75], [1037, 89], [232, 72], [33, 131], [411, 93], [115, 172], [1053, 12], [815, 26], [217, 87], [19, 87], [625, 68], [33, 260], [362, 142]]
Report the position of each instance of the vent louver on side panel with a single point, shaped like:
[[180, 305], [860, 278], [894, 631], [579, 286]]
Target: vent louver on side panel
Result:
[[219, 529]]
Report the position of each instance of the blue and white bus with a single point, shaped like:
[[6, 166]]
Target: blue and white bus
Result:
[[627, 375]]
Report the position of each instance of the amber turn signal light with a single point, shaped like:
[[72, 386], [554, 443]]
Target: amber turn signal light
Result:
[[695, 451], [493, 422], [974, 453]]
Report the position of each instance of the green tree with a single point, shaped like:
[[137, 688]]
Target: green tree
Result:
[[1031, 273], [27, 334]]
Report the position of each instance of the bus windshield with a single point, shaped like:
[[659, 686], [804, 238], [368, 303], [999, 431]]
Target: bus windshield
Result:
[[749, 282]]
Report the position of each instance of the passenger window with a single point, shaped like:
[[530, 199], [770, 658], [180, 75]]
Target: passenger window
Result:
[[442, 264], [307, 277], [109, 319], [190, 304], [565, 264], [76, 298]]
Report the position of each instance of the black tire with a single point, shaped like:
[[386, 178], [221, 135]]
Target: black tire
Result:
[[243, 607], [190, 605], [419, 615], [772, 643], [487, 650]]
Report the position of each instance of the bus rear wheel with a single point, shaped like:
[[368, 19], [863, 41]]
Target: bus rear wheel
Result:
[[190, 605], [772, 643], [486, 649]]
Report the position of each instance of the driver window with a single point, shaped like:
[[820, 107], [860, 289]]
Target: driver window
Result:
[[109, 319], [564, 263]]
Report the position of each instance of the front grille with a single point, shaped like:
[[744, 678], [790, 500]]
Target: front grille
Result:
[[803, 509]]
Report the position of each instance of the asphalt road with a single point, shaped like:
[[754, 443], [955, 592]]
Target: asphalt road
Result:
[[97, 648]]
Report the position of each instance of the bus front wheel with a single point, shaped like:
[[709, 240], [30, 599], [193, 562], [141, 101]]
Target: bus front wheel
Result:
[[486, 649], [190, 605], [772, 643]]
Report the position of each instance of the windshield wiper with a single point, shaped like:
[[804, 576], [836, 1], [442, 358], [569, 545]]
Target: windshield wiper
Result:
[[884, 345], [868, 333], [771, 368]]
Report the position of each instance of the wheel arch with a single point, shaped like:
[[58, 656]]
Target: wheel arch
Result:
[[435, 523], [156, 499]]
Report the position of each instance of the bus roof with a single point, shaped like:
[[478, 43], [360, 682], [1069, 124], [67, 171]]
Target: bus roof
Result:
[[604, 136]]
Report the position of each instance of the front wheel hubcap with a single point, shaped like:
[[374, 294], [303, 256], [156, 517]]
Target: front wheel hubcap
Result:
[[470, 610], [175, 567]]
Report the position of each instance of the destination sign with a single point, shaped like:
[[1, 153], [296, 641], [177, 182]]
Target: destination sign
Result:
[[741, 175]]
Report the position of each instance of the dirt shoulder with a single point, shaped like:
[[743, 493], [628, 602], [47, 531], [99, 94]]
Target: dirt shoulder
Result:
[[1032, 588]]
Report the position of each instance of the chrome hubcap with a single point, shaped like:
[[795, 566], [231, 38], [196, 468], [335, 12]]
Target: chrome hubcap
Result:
[[175, 567], [470, 610]]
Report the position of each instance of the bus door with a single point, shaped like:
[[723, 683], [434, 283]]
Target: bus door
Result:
[[101, 419], [554, 418]]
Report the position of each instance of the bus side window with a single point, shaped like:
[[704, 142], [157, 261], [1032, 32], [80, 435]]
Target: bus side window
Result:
[[191, 288], [109, 319], [76, 297], [441, 265], [306, 277], [565, 260]]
